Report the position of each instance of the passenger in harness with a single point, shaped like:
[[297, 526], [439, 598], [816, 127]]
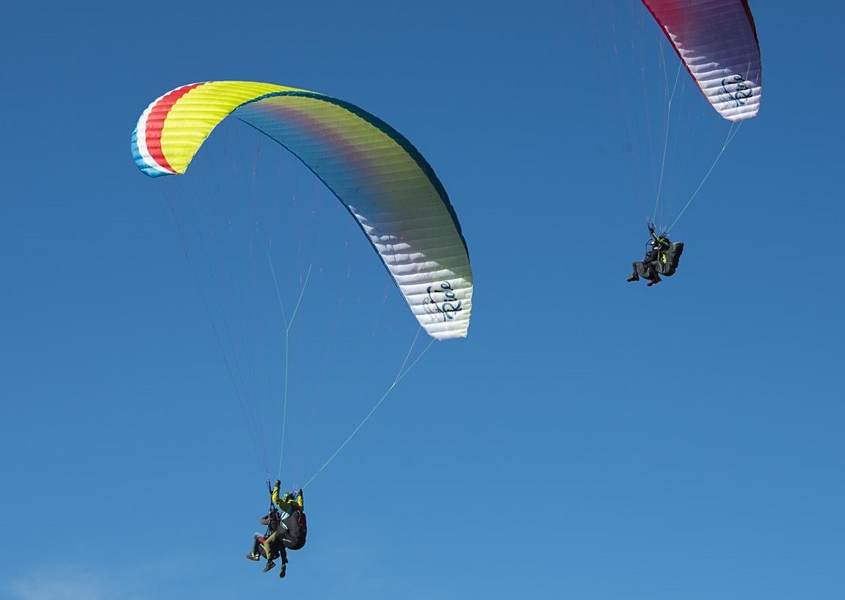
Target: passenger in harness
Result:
[[271, 520], [286, 529]]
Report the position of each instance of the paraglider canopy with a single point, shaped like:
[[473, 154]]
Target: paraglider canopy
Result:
[[717, 42], [378, 175]]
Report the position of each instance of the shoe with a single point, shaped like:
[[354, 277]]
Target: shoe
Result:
[[252, 556], [282, 570], [653, 281], [270, 564], [633, 277]]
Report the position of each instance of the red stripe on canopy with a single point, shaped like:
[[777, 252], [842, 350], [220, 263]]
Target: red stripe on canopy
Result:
[[155, 124]]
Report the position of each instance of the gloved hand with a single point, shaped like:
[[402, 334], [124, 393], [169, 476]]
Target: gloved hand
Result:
[[278, 484], [651, 227]]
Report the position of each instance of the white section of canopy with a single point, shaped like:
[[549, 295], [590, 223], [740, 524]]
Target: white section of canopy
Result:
[[717, 41]]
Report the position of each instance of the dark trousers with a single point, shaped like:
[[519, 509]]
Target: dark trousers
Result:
[[646, 270]]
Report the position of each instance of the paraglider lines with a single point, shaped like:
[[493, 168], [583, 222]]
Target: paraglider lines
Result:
[[221, 331], [665, 141], [734, 129], [288, 325], [403, 370]]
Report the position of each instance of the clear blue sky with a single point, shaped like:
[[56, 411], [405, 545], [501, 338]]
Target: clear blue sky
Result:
[[590, 439]]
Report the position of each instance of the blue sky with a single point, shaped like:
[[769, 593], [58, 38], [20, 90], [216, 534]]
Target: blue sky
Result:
[[590, 439]]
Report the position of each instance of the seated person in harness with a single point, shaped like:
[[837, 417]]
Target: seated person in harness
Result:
[[271, 520], [286, 529], [661, 258]]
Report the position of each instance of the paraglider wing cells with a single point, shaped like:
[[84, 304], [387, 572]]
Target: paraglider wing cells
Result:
[[378, 175], [717, 41]]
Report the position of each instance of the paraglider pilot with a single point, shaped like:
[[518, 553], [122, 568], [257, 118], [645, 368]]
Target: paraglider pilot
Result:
[[649, 266], [286, 529]]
